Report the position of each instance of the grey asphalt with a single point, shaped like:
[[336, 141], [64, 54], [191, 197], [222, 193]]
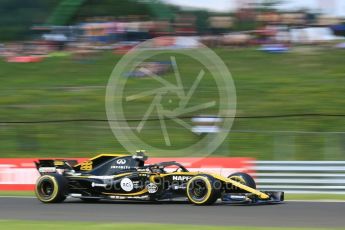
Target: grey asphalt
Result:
[[291, 214]]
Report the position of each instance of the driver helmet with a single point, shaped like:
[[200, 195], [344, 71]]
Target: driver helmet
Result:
[[140, 155]]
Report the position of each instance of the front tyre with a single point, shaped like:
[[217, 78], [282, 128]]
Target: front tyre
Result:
[[244, 179], [51, 188], [203, 190]]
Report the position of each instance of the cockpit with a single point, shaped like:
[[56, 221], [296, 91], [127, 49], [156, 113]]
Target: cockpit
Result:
[[167, 167]]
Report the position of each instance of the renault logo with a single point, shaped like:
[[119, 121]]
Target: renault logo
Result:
[[121, 161]]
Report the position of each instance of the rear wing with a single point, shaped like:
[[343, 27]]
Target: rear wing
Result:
[[54, 165]]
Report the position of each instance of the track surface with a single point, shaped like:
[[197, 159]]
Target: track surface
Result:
[[310, 214]]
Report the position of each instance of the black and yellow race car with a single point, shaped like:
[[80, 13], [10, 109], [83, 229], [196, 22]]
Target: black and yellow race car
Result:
[[118, 177]]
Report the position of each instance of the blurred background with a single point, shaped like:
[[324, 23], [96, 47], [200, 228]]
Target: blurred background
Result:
[[286, 59]]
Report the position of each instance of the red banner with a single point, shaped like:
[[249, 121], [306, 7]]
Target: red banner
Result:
[[21, 173]]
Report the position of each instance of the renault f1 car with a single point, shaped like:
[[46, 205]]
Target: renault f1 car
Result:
[[118, 177]]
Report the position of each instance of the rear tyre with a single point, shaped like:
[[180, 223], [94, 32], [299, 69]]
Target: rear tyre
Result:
[[51, 188], [244, 179], [203, 190]]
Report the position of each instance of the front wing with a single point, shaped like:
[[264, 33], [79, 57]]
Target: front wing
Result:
[[249, 198]]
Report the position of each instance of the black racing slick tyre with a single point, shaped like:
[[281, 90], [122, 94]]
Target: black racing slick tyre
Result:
[[203, 190], [51, 188], [243, 178]]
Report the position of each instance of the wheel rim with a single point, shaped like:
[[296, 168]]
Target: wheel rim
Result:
[[198, 190], [46, 188]]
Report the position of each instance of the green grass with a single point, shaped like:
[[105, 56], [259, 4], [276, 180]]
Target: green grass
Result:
[[17, 193], [315, 197], [266, 84], [19, 224]]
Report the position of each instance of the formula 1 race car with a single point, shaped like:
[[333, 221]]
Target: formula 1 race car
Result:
[[118, 177]]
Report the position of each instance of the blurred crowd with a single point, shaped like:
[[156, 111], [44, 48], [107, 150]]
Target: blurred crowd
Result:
[[121, 34]]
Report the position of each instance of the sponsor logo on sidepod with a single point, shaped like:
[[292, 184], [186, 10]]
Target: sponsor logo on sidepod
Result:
[[182, 178], [121, 161], [152, 188], [127, 184]]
